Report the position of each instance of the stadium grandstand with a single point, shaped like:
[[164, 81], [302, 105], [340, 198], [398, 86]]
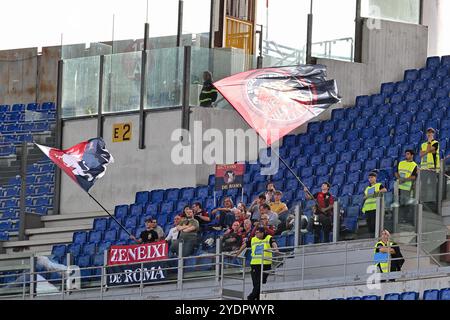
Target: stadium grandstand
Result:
[[343, 215]]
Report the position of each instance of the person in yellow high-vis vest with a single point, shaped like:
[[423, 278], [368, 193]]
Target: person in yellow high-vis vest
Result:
[[429, 152], [259, 245], [373, 190], [387, 255], [406, 175]]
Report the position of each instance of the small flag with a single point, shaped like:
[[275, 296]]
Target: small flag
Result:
[[275, 101], [84, 163]]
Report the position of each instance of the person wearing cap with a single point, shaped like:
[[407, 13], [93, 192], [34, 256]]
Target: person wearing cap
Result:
[[324, 211], [406, 175], [149, 234], [260, 245], [372, 191], [429, 152]]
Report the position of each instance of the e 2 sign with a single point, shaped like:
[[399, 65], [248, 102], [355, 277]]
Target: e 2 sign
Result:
[[121, 132]]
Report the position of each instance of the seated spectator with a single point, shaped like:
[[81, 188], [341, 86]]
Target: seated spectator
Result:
[[277, 206], [270, 193], [173, 232], [239, 216], [188, 233], [273, 217], [263, 223], [255, 215], [183, 214], [201, 215], [226, 214], [158, 229], [232, 238], [246, 228], [286, 223], [149, 234], [241, 206]]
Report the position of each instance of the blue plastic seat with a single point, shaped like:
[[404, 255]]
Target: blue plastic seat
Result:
[[362, 101], [409, 296], [328, 127], [362, 155], [432, 294], [187, 193], [314, 127], [325, 148], [95, 236], [368, 112], [290, 141], [386, 163], [387, 89], [152, 209], [74, 249], [348, 189], [340, 146], [111, 235], [393, 152], [322, 170], [301, 162], [142, 197], [316, 160], [371, 297], [338, 179], [338, 136], [136, 209], [367, 133], [89, 249], [435, 83], [340, 167], [59, 250], [202, 192], [295, 152], [383, 131], [338, 114], [292, 184], [392, 296], [425, 74], [411, 75], [121, 211], [376, 100], [358, 199], [354, 298], [396, 98], [346, 156], [445, 61], [444, 294], [100, 224], [433, 62], [370, 165], [378, 153], [353, 177], [79, 237], [343, 125], [352, 135], [156, 196], [353, 113], [375, 121], [304, 139], [307, 172], [419, 84], [131, 222], [383, 110], [385, 141]]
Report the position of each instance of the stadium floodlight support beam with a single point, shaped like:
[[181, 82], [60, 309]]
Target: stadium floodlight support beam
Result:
[[143, 92], [100, 98], [359, 23], [58, 136], [211, 24], [309, 31], [23, 190], [185, 108], [180, 22]]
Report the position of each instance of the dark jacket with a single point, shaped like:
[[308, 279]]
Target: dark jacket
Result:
[[208, 94]]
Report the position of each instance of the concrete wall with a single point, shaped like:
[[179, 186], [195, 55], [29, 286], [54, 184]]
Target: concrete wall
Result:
[[137, 170], [435, 16]]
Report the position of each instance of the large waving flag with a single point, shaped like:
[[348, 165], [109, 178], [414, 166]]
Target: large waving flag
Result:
[[84, 163], [275, 101]]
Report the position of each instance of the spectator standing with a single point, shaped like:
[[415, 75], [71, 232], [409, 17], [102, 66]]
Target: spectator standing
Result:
[[208, 95], [188, 229], [241, 206], [407, 175], [239, 216], [323, 211], [172, 237], [226, 214], [157, 228], [276, 205], [260, 245], [270, 193], [372, 191], [254, 208], [183, 214], [148, 235], [247, 227]]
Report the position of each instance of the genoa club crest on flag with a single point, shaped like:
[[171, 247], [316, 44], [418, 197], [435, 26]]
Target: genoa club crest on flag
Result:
[[84, 163], [275, 101]]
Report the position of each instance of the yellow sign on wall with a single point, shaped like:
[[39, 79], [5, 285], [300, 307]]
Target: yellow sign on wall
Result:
[[121, 132]]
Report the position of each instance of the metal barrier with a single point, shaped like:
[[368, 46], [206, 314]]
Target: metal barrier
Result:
[[348, 261]]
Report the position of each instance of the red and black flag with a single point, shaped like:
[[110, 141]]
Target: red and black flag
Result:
[[275, 101]]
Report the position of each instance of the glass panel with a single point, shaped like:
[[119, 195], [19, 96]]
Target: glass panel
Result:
[[221, 63], [196, 21], [164, 77], [122, 82], [399, 10], [281, 43], [333, 34], [80, 86]]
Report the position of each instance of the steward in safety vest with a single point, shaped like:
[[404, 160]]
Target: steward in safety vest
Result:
[[387, 254], [373, 190], [259, 245], [407, 171], [429, 152], [208, 95]]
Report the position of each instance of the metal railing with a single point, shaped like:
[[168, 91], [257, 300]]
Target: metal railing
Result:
[[345, 263]]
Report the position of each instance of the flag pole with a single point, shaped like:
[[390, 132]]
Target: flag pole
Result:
[[295, 175], [114, 218]]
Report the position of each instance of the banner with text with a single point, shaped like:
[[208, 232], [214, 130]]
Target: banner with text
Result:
[[119, 272], [229, 176]]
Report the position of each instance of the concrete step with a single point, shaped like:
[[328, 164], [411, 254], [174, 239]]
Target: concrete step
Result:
[[65, 220], [56, 232], [37, 246]]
